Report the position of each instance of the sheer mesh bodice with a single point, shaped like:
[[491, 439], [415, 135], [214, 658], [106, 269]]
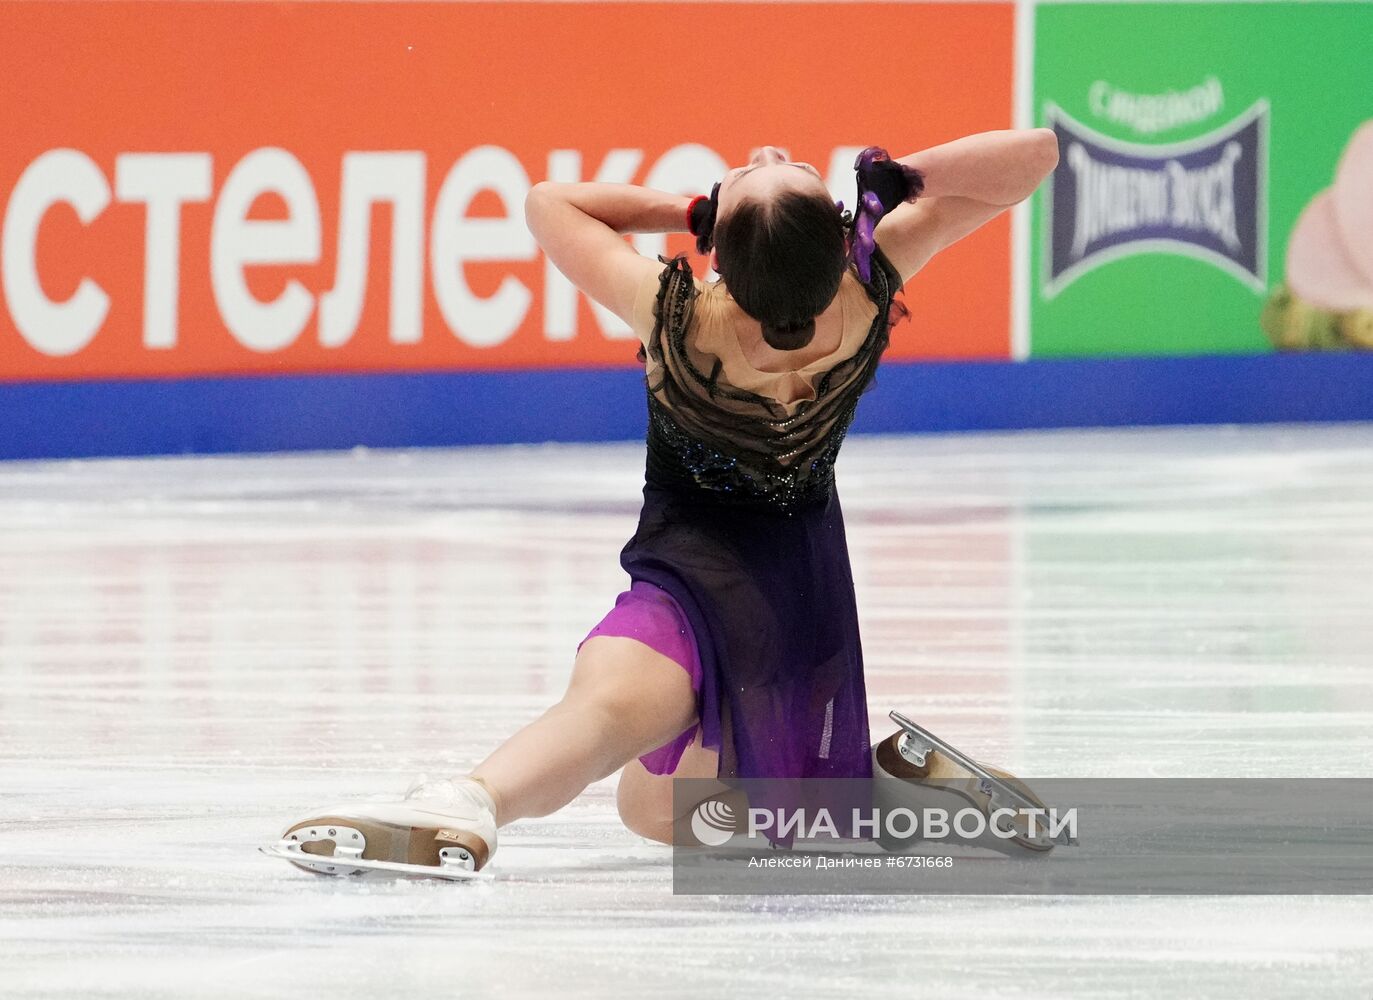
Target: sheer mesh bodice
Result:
[[743, 447]]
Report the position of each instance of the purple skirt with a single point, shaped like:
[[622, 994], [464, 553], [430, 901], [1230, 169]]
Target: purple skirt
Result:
[[767, 604], [650, 615]]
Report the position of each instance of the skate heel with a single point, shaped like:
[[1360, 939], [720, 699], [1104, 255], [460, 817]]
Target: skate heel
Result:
[[328, 845], [441, 830], [916, 770]]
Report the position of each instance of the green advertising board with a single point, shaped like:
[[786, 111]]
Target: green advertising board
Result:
[[1193, 139]]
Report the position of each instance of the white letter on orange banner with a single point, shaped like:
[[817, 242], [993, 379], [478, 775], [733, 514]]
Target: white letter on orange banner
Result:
[[454, 238], [54, 328], [162, 181], [686, 169], [559, 294], [841, 180], [367, 178], [236, 241]]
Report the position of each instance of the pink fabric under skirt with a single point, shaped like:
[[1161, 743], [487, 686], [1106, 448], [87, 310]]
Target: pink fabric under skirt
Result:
[[649, 614]]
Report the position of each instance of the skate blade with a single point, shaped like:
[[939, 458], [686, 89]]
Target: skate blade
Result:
[[320, 864], [989, 776]]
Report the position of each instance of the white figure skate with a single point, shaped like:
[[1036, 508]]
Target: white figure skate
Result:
[[917, 770], [441, 829]]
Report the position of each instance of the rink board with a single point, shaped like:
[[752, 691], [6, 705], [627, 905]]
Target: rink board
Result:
[[262, 414]]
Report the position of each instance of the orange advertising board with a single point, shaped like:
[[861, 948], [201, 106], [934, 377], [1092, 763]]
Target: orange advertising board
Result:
[[235, 187]]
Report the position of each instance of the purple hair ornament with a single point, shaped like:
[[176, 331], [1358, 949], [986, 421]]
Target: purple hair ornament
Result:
[[883, 184], [864, 224]]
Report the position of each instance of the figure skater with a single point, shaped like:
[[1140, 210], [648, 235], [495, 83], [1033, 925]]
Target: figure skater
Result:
[[735, 651]]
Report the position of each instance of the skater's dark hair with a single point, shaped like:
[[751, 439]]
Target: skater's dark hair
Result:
[[782, 261]]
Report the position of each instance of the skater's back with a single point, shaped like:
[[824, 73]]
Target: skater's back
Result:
[[726, 416]]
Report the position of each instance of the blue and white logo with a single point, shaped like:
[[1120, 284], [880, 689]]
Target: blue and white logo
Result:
[[1205, 198]]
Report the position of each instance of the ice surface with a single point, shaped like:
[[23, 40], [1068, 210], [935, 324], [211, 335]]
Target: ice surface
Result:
[[193, 651]]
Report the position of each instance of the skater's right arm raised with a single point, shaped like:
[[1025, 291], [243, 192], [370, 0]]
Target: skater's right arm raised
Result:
[[968, 182]]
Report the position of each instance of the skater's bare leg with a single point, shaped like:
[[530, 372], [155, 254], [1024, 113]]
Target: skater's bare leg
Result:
[[645, 799], [624, 700]]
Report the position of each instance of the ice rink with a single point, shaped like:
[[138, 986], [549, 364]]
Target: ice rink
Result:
[[194, 651]]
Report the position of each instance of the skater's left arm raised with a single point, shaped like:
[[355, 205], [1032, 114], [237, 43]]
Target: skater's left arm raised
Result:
[[968, 182]]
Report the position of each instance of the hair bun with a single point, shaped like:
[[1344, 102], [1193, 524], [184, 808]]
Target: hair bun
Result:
[[789, 336]]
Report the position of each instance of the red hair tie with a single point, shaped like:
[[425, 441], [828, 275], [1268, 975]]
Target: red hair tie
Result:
[[691, 209]]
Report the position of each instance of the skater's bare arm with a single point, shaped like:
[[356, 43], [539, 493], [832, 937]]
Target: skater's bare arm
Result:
[[625, 208], [999, 168], [579, 225], [968, 182]]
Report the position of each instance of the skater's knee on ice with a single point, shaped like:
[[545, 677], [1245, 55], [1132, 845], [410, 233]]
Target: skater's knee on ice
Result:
[[647, 802], [650, 827], [644, 802]]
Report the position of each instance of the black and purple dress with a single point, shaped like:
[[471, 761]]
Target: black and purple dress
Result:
[[740, 566]]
